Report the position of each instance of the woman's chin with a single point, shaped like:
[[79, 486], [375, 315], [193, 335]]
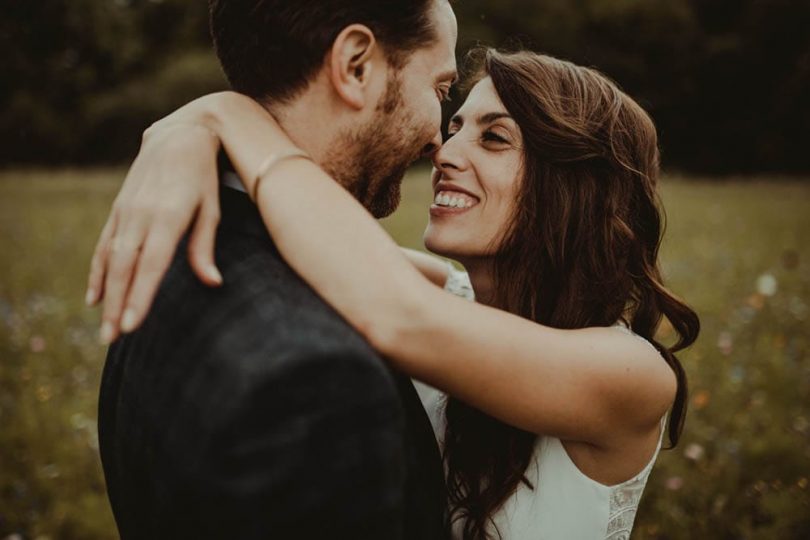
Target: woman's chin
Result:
[[445, 247], [434, 244]]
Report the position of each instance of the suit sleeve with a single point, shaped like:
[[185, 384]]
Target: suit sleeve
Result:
[[315, 450]]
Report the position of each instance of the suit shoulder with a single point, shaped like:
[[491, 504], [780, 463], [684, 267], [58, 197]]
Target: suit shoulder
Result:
[[261, 296], [265, 321]]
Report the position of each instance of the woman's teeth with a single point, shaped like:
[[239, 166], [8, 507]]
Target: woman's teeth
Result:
[[453, 199]]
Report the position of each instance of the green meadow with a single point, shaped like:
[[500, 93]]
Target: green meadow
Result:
[[738, 250]]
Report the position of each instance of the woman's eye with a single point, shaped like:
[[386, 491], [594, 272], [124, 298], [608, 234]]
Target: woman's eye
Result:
[[490, 136]]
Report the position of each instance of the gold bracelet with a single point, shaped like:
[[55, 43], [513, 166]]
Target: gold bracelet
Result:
[[271, 161]]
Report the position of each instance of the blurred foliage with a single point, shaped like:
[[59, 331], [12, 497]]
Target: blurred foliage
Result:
[[51, 486], [726, 80], [738, 251], [84, 78]]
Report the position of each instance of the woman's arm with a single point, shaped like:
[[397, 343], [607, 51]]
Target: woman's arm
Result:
[[594, 385], [176, 197], [433, 268]]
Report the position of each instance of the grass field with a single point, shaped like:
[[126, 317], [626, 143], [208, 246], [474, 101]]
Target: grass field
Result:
[[737, 250]]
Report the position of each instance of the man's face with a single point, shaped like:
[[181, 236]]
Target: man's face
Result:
[[406, 122]]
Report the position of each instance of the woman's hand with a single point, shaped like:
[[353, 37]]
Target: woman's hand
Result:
[[172, 183]]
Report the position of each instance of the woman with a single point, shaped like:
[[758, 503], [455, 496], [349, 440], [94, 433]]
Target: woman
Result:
[[545, 192]]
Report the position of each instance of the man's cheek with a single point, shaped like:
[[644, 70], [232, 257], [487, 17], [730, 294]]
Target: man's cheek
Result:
[[432, 121], [436, 115]]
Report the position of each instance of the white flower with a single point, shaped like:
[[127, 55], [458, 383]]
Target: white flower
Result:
[[693, 452], [767, 285]]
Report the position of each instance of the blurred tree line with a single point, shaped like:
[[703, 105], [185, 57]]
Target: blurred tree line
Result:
[[83, 78], [728, 81]]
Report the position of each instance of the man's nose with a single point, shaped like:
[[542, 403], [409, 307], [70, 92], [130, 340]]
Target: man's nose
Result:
[[433, 146]]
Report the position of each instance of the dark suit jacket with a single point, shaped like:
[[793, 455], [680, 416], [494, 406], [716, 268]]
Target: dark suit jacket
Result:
[[255, 411]]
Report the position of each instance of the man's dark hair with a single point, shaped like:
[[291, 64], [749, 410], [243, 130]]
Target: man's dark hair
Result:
[[271, 49]]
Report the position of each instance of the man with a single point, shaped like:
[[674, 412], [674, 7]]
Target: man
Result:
[[253, 410]]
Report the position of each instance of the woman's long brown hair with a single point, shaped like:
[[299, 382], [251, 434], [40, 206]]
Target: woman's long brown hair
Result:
[[581, 251]]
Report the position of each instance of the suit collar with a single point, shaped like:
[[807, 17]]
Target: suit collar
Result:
[[240, 215], [238, 212]]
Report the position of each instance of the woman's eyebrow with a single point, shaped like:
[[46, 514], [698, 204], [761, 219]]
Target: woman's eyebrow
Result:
[[492, 117], [484, 119]]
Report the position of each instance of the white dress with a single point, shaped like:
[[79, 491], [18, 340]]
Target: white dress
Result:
[[565, 504]]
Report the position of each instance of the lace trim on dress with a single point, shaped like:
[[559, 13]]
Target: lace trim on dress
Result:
[[625, 497], [458, 283], [624, 502]]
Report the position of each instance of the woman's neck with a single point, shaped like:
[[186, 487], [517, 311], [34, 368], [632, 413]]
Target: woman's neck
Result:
[[482, 278]]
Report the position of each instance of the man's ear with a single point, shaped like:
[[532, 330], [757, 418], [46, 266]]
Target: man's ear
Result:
[[351, 63]]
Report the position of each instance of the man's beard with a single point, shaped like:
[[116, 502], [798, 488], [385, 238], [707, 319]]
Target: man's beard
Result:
[[372, 160]]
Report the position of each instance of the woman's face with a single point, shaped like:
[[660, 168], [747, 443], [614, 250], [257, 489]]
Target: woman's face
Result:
[[476, 180]]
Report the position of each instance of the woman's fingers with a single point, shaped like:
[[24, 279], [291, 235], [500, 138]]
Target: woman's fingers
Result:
[[98, 264], [202, 242], [153, 261], [124, 251], [100, 261], [168, 183], [164, 229]]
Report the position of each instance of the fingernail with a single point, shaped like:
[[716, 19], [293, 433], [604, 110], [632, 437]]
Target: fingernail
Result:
[[214, 274], [106, 334], [128, 321], [90, 297]]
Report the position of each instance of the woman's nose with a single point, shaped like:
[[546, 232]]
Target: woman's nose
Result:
[[449, 156]]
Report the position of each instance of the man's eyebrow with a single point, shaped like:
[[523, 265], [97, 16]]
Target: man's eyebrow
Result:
[[449, 75]]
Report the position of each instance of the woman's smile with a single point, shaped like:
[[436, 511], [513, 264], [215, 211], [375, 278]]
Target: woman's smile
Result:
[[451, 199]]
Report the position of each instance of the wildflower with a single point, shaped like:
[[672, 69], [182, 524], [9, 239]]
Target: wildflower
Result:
[[725, 343], [701, 399], [44, 392], [797, 308], [50, 471], [790, 259], [737, 374], [674, 483], [694, 452], [756, 301], [767, 285], [37, 344]]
